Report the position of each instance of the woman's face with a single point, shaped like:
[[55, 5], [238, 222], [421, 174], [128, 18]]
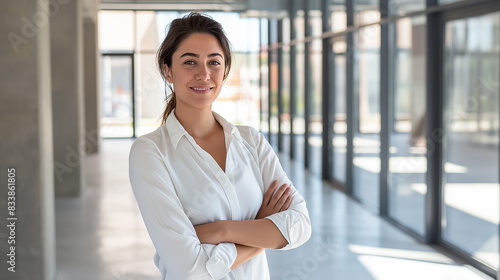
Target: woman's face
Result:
[[197, 71]]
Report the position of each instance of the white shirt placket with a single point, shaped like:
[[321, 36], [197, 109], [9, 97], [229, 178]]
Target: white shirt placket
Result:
[[221, 177]]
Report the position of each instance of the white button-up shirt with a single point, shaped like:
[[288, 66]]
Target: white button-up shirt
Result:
[[178, 185]]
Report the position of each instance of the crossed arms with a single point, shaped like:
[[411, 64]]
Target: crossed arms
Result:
[[212, 250], [251, 236]]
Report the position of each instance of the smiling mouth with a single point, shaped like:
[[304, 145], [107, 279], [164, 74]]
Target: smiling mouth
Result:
[[201, 89]]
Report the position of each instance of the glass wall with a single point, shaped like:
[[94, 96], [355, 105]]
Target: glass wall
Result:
[[298, 118], [315, 125], [381, 157], [116, 96], [337, 16], [338, 22], [444, 2], [264, 77], [366, 11], [115, 34], [471, 146], [285, 87], [397, 7], [366, 93], [273, 84], [407, 159], [340, 114], [116, 80]]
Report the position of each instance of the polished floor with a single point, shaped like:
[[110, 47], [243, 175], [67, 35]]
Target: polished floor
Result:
[[101, 236]]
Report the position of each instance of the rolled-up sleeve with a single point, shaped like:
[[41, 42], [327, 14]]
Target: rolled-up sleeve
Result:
[[294, 223], [171, 231]]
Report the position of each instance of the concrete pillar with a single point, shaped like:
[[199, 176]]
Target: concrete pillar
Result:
[[67, 97], [91, 77], [26, 150]]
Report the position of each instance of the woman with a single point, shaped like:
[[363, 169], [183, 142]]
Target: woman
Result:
[[208, 190]]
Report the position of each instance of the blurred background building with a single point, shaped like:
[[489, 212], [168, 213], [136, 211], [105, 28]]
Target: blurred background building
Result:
[[391, 105]]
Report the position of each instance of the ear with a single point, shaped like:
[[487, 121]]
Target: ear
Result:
[[168, 73]]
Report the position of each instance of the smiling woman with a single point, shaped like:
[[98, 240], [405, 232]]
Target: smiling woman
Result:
[[213, 195], [191, 25], [197, 72]]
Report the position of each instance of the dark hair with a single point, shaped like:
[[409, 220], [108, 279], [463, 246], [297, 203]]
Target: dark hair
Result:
[[179, 30]]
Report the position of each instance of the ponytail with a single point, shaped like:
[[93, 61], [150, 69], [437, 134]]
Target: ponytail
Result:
[[169, 108]]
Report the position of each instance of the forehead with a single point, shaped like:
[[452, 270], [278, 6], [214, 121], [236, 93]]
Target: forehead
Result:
[[199, 43]]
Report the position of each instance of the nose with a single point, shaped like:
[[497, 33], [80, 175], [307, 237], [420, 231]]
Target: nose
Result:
[[203, 73]]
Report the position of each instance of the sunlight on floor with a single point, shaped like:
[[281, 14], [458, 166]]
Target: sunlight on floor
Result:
[[403, 165]]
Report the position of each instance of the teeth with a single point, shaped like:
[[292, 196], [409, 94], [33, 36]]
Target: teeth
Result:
[[201, 88]]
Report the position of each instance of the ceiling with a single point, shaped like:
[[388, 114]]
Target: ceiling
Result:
[[257, 8]]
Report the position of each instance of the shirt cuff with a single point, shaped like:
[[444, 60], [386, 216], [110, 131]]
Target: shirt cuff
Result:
[[221, 258], [290, 226]]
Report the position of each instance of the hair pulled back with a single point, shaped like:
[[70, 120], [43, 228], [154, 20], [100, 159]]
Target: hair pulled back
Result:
[[179, 30]]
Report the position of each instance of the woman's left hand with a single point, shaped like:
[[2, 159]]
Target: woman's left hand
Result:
[[275, 202]]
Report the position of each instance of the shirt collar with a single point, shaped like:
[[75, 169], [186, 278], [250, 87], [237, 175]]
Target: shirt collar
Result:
[[176, 131], [228, 127]]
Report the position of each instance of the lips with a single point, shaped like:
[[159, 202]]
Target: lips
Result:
[[201, 89]]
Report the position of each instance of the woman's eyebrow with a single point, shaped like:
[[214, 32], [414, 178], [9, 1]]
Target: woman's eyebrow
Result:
[[215, 54], [190, 54], [197, 55]]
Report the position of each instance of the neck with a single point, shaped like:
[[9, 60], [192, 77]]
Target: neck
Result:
[[199, 123]]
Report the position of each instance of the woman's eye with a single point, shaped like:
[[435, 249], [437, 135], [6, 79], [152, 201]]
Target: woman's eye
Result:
[[215, 62], [189, 62]]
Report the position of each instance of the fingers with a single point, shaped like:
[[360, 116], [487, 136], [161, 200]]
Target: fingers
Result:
[[275, 200], [269, 193], [283, 198], [287, 204], [279, 198]]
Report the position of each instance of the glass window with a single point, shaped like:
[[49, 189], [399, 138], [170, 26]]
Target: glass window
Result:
[[116, 30], [150, 93], [397, 7], [366, 91], [340, 114], [285, 88], [444, 2], [273, 86], [298, 120], [298, 20], [251, 92], [243, 33], [338, 16], [366, 11], [471, 146], [116, 96], [149, 34], [273, 112], [338, 22], [407, 151], [264, 77], [315, 61]]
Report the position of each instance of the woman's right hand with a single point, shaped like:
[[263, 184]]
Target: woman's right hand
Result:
[[272, 204]]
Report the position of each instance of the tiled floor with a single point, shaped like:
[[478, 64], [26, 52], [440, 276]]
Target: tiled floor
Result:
[[101, 236]]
